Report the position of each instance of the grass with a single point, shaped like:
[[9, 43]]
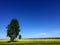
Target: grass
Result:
[[32, 42]]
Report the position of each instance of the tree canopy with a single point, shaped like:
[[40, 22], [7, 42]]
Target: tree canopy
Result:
[[13, 29]]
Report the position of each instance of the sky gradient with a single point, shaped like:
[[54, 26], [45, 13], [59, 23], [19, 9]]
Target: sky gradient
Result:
[[37, 18]]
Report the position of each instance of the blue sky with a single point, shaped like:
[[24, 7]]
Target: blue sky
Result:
[[37, 18]]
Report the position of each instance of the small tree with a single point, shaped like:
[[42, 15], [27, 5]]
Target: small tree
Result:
[[13, 29], [19, 36]]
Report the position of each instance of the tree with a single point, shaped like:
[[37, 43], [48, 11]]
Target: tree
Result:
[[19, 36], [13, 29]]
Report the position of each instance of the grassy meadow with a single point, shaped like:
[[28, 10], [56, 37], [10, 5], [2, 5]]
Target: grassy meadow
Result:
[[32, 42]]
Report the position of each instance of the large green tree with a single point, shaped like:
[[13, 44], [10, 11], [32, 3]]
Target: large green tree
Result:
[[13, 29]]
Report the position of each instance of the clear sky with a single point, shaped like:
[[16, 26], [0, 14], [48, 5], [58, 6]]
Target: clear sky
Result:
[[37, 18]]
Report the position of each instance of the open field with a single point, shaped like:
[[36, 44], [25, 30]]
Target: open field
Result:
[[32, 42]]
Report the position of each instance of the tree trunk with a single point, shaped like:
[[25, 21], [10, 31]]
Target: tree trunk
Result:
[[12, 39]]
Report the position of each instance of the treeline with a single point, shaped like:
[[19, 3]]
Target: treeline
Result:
[[46, 38]]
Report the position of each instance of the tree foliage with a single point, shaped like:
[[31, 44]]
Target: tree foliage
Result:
[[13, 29], [19, 36]]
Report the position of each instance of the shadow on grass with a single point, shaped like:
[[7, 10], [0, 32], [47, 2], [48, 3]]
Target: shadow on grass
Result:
[[11, 41]]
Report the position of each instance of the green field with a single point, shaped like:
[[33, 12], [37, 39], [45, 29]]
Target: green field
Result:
[[32, 42]]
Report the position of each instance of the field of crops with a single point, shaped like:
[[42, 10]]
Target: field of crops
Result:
[[32, 42]]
